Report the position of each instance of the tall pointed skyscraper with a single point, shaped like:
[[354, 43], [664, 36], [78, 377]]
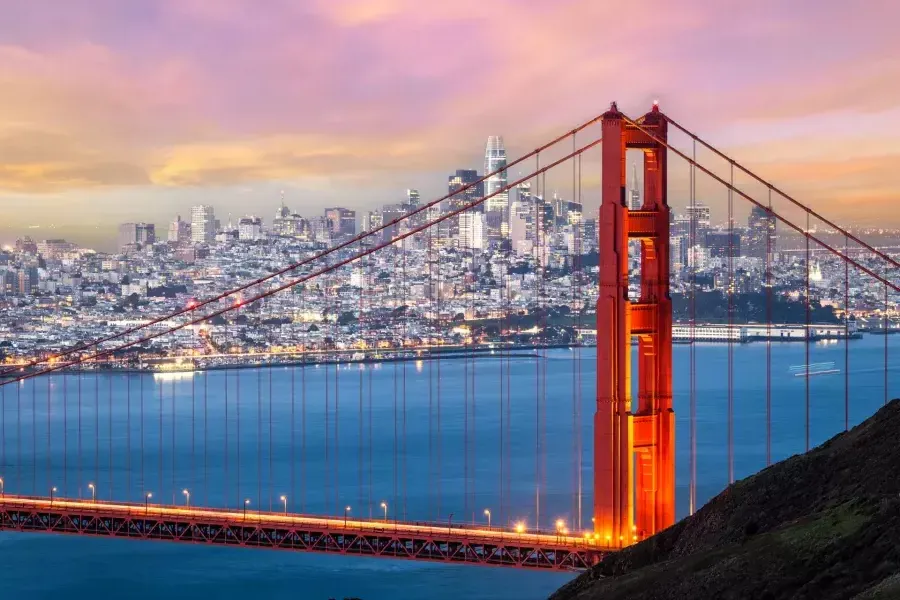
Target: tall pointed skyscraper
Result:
[[496, 206], [634, 194]]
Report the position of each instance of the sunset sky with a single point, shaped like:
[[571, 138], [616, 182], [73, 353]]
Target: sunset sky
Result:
[[117, 110]]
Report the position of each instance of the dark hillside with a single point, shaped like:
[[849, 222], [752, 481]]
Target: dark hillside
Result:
[[825, 524]]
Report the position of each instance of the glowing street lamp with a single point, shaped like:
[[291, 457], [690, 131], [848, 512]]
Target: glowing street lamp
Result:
[[93, 492], [1, 487], [346, 512], [520, 527], [384, 506], [52, 491], [487, 513], [147, 502], [246, 504], [284, 499], [187, 497]]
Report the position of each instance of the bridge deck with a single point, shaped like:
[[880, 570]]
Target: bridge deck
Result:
[[358, 537]]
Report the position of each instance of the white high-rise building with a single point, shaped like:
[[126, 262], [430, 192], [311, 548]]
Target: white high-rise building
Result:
[[203, 224], [494, 160], [471, 230], [179, 231], [250, 228], [699, 213]]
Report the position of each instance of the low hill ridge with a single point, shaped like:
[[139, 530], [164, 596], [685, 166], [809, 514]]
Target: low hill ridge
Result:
[[819, 525]]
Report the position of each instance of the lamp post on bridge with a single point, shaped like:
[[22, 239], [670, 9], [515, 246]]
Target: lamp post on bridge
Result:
[[487, 513], [1, 487], [384, 506], [284, 500], [246, 503], [147, 502], [449, 523], [52, 490], [187, 496], [346, 512], [93, 492]]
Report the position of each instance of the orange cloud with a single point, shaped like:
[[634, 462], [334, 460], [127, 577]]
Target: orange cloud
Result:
[[193, 93]]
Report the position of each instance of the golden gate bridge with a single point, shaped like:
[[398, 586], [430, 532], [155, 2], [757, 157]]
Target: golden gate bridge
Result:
[[633, 484]]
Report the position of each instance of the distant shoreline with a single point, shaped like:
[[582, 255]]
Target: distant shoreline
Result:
[[457, 353]]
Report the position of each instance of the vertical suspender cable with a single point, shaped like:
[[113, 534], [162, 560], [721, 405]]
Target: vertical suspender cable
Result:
[[431, 462], [193, 479], [49, 439], [692, 496], [237, 411], [304, 367], [405, 317], [731, 286], [806, 337], [79, 442], [571, 264], [3, 428], [362, 367], [539, 216], [174, 490], [396, 470], [19, 439], [846, 337], [504, 366], [327, 360], [206, 437], [440, 449], [259, 434], [271, 474], [226, 489], [885, 344], [65, 395], [96, 430], [159, 387], [579, 295], [293, 432], [127, 435], [370, 370], [34, 487], [337, 372], [544, 368], [141, 411], [769, 230]]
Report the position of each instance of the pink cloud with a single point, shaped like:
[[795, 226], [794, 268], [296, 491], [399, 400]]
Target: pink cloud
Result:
[[190, 92]]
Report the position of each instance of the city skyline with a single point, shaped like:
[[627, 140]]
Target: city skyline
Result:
[[102, 124]]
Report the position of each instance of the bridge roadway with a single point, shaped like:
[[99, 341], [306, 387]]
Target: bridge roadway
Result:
[[287, 531]]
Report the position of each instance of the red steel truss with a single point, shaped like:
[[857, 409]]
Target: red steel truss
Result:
[[430, 542]]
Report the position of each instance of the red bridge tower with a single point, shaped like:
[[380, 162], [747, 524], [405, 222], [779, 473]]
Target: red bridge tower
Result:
[[634, 447]]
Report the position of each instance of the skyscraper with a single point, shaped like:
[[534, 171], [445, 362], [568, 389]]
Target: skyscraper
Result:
[[342, 222], [413, 199], [250, 228], [179, 231], [699, 216], [136, 233], [203, 224], [459, 180], [471, 231], [495, 160], [759, 223], [634, 194]]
